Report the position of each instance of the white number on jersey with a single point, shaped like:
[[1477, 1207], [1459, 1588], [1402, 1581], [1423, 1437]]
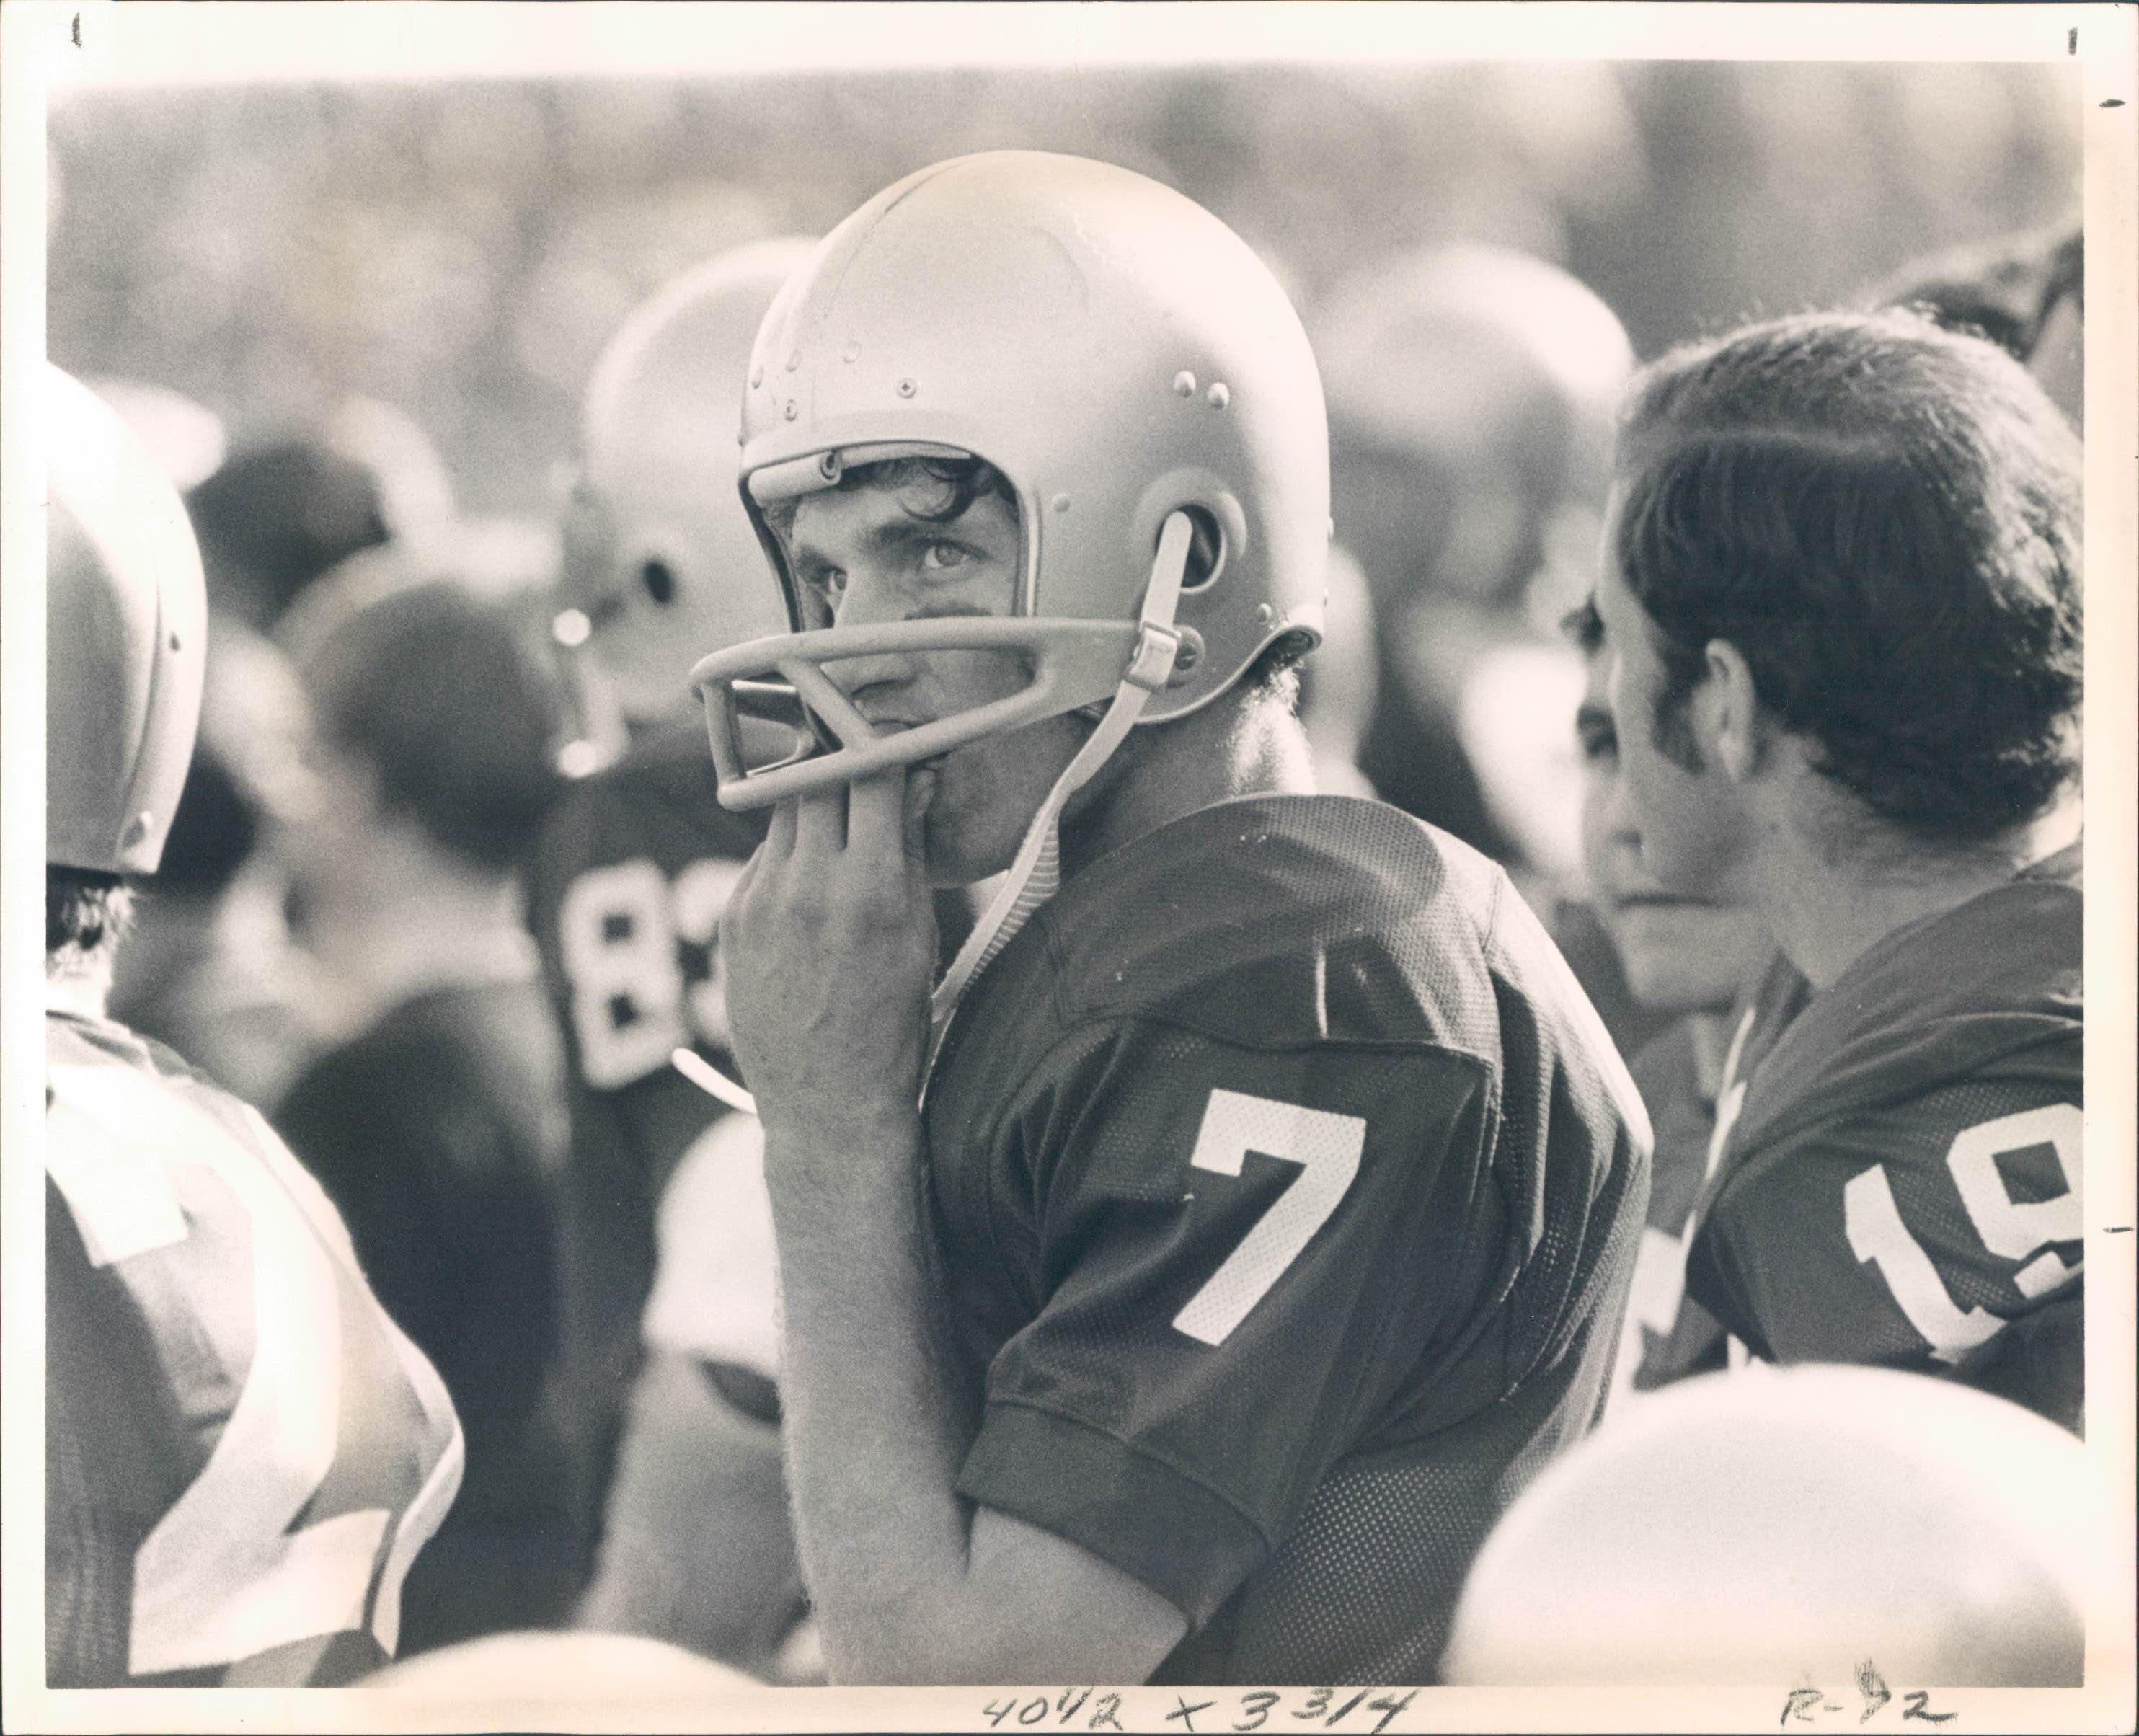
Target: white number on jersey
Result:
[[2011, 1229], [1325, 1146], [617, 931], [223, 1576]]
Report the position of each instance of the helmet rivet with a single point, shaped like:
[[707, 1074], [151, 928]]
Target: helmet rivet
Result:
[[1218, 396], [175, 640], [758, 376], [1265, 615], [791, 411], [1184, 383], [1060, 503], [794, 359], [852, 353], [906, 389], [138, 831]]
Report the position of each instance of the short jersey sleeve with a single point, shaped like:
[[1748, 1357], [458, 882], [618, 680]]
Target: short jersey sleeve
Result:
[[1908, 1235], [1227, 1263]]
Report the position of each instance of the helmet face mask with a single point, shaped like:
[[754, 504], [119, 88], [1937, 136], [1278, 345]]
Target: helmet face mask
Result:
[[1120, 356]]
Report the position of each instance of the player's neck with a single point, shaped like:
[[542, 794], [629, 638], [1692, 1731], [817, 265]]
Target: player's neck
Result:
[[399, 937], [1234, 748], [1827, 909]]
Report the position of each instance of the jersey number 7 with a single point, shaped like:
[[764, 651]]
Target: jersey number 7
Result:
[[1326, 1146]]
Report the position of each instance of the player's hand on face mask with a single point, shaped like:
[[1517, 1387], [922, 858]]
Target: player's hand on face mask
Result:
[[830, 948]]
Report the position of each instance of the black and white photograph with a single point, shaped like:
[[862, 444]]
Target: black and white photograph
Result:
[[1083, 868]]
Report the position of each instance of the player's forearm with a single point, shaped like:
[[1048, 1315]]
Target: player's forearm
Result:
[[872, 1444]]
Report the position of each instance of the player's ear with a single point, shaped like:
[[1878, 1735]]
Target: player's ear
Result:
[[1727, 715]]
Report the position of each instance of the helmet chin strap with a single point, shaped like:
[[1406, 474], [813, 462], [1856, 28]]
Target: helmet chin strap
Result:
[[1037, 870]]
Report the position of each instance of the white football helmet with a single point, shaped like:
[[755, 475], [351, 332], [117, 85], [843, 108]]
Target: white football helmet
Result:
[[1780, 1526], [661, 560], [125, 639], [1122, 358]]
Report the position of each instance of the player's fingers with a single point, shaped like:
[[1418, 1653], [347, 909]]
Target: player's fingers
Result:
[[821, 822], [780, 836], [876, 811]]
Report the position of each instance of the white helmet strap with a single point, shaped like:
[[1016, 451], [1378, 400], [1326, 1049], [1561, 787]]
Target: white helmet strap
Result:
[[1037, 870]]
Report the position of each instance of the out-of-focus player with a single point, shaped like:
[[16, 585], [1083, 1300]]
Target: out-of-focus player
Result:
[[1472, 390], [242, 1455], [1267, 1218], [668, 1261], [2026, 294], [1693, 955], [1841, 596], [1851, 1534]]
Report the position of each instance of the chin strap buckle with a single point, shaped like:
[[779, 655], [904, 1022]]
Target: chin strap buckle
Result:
[[1152, 666]]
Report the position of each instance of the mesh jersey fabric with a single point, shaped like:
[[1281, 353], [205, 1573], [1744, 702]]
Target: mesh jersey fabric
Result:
[[243, 1454], [439, 1133], [1287, 1210], [1903, 1180]]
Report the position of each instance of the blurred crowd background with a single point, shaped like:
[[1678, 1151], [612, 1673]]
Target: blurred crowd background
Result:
[[357, 323], [460, 251]]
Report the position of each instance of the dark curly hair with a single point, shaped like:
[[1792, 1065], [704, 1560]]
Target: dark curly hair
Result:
[[1884, 518], [87, 914]]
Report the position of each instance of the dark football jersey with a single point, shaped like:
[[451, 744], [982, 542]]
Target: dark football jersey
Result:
[[1669, 1335], [1902, 1182], [1287, 1189], [624, 898], [242, 1454]]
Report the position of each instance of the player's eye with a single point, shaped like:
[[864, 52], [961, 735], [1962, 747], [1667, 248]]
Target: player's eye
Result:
[[940, 557]]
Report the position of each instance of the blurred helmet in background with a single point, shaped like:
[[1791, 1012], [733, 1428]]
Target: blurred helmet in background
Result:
[[1472, 390], [661, 562], [1788, 1526], [1118, 354], [125, 640]]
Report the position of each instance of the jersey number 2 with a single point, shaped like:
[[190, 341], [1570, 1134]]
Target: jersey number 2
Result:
[[2011, 1229], [1325, 1145]]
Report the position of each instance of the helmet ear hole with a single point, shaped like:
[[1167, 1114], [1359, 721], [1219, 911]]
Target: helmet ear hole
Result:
[[659, 578], [1207, 549]]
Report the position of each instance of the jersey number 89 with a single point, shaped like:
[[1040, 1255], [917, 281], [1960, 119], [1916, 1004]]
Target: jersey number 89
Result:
[[620, 932]]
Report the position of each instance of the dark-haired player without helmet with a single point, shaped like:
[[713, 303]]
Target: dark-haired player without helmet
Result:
[[436, 1122], [1268, 1217], [242, 1455], [1842, 593]]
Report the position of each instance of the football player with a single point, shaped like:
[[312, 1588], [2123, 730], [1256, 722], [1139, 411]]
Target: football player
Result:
[[1841, 592], [1691, 956], [2026, 294], [1854, 1531], [1268, 1215], [669, 1252], [1472, 390], [242, 1454]]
